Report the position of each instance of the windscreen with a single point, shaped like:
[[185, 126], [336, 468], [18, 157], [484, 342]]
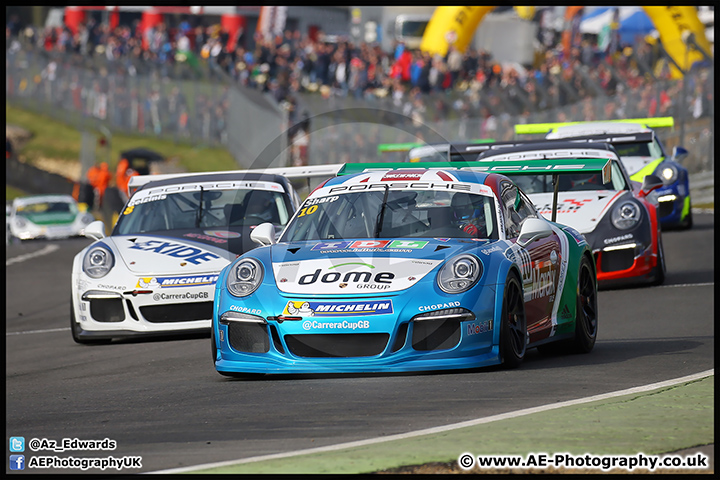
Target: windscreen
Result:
[[391, 213], [571, 182], [633, 149], [46, 207], [167, 209]]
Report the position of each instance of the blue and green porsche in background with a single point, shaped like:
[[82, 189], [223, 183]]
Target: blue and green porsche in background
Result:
[[46, 216]]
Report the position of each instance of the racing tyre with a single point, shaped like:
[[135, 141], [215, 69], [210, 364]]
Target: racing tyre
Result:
[[661, 267], [586, 315], [513, 329], [75, 330], [688, 222]]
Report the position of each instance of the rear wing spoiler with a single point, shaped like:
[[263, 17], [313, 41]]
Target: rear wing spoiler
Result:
[[493, 165], [406, 147], [530, 128], [537, 162], [292, 173], [643, 137]]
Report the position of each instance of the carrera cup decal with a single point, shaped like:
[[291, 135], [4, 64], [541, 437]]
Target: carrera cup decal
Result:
[[344, 325]]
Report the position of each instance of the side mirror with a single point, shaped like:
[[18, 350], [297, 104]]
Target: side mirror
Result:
[[95, 230], [650, 183], [533, 229], [679, 154], [263, 234]]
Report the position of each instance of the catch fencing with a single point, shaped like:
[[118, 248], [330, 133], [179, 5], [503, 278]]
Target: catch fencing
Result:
[[257, 131], [348, 129], [208, 112]]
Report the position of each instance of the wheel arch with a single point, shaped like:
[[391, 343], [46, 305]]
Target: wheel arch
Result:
[[506, 269]]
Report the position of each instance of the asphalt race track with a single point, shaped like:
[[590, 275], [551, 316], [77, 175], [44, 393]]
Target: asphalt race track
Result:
[[161, 399]]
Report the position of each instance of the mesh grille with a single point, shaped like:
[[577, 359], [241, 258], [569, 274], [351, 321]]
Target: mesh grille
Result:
[[615, 260], [248, 337], [337, 344], [177, 312], [435, 334], [107, 310], [666, 208]]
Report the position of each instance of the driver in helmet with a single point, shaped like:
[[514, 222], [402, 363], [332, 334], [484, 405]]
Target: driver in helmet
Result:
[[468, 216], [585, 181], [261, 205]]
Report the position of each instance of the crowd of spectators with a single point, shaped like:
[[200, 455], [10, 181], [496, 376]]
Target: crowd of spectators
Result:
[[294, 62], [415, 83]]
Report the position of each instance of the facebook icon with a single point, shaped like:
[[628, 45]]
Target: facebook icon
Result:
[[17, 462]]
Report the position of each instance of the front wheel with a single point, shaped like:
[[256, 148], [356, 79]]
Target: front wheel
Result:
[[661, 268], [688, 222], [586, 315], [513, 329]]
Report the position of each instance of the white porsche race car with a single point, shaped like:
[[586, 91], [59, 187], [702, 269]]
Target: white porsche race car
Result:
[[46, 216], [156, 272]]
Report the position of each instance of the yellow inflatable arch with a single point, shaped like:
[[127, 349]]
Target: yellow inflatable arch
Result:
[[456, 26]]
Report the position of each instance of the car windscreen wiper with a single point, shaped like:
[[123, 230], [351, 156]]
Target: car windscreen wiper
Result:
[[199, 211], [381, 215]]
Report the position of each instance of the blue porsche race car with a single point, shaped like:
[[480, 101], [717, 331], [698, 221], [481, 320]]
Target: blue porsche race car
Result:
[[386, 268]]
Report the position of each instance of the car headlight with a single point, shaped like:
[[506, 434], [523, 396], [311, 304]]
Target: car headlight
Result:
[[98, 262], [459, 274], [668, 173], [625, 215], [20, 222], [87, 219], [245, 277]]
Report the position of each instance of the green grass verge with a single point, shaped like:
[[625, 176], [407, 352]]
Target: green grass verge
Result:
[[655, 422], [11, 193], [57, 140]]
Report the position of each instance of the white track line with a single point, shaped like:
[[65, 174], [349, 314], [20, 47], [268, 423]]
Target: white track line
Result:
[[38, 331], [28, 256], [687, 285], [445, 428]]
